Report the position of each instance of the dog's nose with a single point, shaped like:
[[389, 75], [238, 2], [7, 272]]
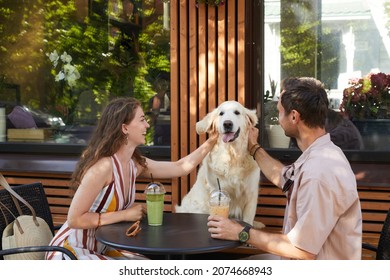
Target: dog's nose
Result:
[[228, 126]]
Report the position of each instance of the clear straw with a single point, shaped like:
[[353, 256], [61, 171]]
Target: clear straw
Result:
[[151, 176]]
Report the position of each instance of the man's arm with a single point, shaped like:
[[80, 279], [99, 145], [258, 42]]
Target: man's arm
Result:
[[271, 242], [271, 168]]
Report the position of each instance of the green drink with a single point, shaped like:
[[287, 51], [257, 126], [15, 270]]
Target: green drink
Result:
[[155, 208], [155, 203]]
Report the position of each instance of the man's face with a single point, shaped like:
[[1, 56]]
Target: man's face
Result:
[[285, 120]]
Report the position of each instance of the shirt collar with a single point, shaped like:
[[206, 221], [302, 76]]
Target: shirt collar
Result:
[[288, 170], [317, 144]]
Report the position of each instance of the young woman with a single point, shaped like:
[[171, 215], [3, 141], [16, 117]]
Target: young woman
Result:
[[105, 180]]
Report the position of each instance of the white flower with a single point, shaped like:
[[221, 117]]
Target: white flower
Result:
[[66, 58], [68, 72], [60, 76], [71, 74], [54, 58]]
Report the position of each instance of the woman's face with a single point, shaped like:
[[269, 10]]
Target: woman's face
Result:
[[137, 128]]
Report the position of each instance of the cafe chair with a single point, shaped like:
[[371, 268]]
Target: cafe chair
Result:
[[383, 248], [35, 195]]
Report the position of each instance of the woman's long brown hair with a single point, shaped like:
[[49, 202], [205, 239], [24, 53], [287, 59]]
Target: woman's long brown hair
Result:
[[108, 136]]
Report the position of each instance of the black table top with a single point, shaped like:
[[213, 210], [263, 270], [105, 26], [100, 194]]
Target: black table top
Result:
[[180, 234]]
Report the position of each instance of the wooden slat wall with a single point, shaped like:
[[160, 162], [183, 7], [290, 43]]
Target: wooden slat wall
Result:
[[207, 68], [59, 194], [375, 202]]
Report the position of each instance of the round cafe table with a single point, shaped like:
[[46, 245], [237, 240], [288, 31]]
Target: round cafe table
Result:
[[181, 234]]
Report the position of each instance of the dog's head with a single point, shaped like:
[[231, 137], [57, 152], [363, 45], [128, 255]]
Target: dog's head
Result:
[[230, 120]]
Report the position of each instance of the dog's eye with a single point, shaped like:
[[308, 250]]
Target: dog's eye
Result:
[[236, 112], [221, 113]]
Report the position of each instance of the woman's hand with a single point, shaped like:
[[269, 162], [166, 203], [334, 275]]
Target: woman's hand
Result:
[[135, 212], [213, 137]]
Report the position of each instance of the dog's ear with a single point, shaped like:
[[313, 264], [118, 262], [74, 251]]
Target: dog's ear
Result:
[[251, 116], [207, 124]]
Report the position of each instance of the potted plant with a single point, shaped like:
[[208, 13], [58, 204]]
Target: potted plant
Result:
[[276, 136], [367, 103], [367, 97]]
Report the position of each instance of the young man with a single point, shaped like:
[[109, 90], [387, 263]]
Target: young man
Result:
[[323, 215]]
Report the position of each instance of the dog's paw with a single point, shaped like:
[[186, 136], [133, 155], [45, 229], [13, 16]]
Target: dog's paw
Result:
[[258, 225], [178, 209]]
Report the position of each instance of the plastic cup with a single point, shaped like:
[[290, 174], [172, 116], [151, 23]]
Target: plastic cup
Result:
[[155, 203], [219, 203]]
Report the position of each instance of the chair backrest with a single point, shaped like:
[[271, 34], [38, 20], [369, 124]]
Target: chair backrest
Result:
[[383, 251], [33, 194]]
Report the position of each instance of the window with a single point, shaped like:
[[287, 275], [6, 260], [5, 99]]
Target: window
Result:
[[338, 42], [62, 61]]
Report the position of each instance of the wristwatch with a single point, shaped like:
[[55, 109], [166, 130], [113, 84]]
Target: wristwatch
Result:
[[243, 236]]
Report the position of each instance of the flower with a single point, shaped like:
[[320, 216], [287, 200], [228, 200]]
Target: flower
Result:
[[68, 72], [367, 97]]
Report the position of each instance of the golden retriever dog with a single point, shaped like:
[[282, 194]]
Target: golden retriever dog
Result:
[[229, 162]]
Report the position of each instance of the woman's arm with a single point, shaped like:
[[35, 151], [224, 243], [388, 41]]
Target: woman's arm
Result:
[[182, 167], [98, 176]]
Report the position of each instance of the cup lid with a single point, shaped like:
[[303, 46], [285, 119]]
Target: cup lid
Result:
[[155, 188], [219, 196]]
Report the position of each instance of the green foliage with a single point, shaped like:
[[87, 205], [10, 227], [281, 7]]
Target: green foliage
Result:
[[109, 66], [111, 60], [299, 35]]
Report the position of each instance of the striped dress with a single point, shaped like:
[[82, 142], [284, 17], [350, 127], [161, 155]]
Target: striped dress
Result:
[[82, 242]]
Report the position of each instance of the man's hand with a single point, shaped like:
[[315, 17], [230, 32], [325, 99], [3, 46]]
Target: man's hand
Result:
[[253, 135], [223, 228]]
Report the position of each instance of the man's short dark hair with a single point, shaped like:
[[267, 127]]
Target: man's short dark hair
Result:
[[307, 96]]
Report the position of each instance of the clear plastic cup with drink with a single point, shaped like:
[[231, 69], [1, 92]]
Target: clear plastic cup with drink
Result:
[[155, 203], [219, 203]]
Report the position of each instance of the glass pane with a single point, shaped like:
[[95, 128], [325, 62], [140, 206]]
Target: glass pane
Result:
[[346, 45], [62, 61]]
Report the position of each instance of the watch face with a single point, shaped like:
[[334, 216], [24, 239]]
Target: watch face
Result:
[[243, 236]]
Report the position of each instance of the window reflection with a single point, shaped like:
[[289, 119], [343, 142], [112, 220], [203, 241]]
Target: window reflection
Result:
[[69, 58], [338, 42], [159, 110]]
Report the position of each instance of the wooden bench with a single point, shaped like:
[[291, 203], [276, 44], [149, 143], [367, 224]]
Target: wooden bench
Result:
[[375, 202]]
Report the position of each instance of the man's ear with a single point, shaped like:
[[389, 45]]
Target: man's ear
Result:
[[207, 124], [295, 115]]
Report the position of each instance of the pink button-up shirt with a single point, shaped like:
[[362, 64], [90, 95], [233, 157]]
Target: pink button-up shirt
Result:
[[324, 216]]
